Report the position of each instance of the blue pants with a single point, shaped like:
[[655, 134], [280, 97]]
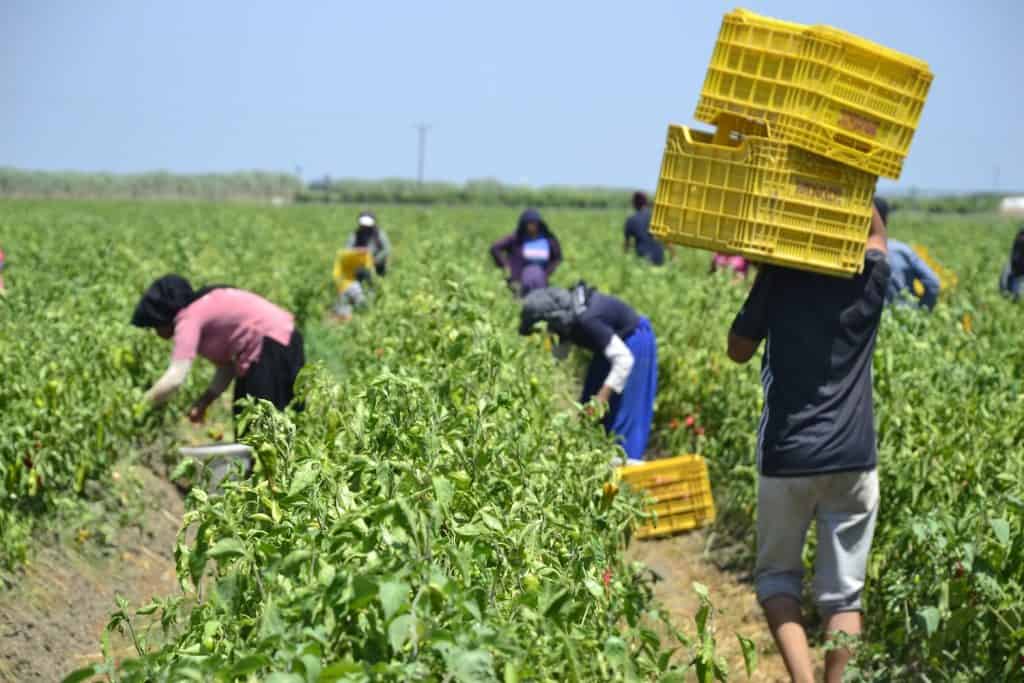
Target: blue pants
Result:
[[1011, 285], [630, 413]]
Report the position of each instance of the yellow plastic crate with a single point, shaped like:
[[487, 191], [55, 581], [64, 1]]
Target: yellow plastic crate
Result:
[[347, 264], [740, 191], [822, 89], [681, 493]]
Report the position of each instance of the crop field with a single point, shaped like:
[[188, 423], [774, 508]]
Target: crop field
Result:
[[438, 510]]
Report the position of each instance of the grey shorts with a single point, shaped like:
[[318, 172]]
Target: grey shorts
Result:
[[845, 507]]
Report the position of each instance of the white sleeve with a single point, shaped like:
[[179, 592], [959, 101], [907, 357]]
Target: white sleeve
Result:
[[621, 359], [170, 382]]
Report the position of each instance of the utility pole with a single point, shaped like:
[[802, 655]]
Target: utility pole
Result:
[[422, 128]]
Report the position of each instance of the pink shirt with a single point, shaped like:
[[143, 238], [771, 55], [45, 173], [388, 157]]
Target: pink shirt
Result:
[[737, 264], [227, 326]]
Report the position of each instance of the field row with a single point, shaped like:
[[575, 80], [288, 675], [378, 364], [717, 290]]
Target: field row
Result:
[[439, 505]]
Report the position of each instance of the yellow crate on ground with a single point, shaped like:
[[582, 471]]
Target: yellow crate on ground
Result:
[[822, 89], [741, 191], [681, 493]]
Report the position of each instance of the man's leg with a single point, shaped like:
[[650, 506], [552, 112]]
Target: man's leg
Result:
[[784, 510], [846, 516], [784, 619], [836, 660]]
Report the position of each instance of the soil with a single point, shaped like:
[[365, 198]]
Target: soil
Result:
[[680, 561], [52, 619]]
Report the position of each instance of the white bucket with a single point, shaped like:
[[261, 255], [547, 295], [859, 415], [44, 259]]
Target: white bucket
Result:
[[219, 460]]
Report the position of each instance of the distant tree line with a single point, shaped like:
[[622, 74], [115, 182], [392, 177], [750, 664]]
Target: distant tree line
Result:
[[153, 185], [262, 185], [978, 202], [476, 192]]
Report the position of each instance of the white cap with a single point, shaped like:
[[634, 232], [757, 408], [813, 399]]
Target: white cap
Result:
[[367, 221]]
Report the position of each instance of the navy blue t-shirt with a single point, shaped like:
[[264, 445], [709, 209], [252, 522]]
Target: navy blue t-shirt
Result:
[[638, 229], [604, 317], [818, 412]]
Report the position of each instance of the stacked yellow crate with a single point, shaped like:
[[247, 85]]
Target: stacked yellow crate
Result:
[[807, 119]]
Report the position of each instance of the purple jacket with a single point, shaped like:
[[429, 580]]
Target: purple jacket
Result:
[[508, 253]]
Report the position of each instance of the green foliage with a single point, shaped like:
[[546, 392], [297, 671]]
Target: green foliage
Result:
[[437, 509]]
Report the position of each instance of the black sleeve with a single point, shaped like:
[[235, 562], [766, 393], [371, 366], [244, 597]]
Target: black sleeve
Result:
[[878, 281], [752, 320]]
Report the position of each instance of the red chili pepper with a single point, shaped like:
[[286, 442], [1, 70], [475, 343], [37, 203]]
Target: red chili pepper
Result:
[[607, 577]]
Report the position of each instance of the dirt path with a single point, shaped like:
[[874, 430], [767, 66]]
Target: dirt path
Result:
[[680, 562], [51, 621]]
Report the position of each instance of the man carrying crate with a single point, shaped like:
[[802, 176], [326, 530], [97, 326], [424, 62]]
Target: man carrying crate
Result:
[[816, 451]]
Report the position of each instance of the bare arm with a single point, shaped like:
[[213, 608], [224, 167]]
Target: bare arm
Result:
[[740, 349], [221, 380], [751, 323], [878, 235]]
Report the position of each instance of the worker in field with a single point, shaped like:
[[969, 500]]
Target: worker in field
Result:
[[529, 255], [352, 276], [250, 340], [368, 235], [907, 266], [2, 287], [1011, 281], [638, 232], [816, 450], [730, 263], [623, 371]]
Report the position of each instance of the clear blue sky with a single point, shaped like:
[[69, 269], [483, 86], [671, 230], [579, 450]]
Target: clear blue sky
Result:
[[527, 91]]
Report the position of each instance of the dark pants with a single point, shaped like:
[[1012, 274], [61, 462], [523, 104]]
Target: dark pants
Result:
[[381, 268], [272, 377]]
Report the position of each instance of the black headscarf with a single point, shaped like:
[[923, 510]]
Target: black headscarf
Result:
[[164, 300], [531, 216], [559, 308]]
